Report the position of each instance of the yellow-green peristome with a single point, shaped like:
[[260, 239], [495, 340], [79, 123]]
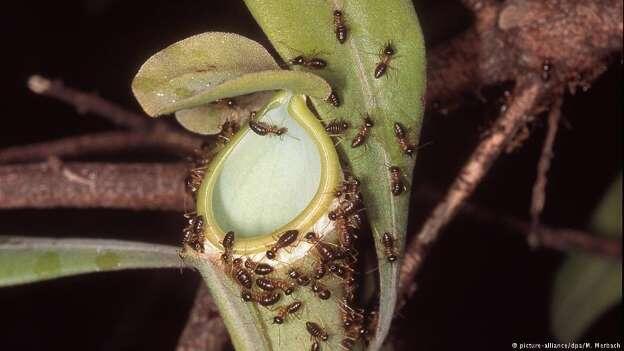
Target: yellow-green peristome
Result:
[[262, 185]]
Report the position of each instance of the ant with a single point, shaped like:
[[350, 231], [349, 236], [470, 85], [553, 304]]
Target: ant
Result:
[[337, 127], [269, 284], [258, 267], [265, 299], [397, 185], [313, 62]]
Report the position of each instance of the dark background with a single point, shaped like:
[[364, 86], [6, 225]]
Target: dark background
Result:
[[481, 288]]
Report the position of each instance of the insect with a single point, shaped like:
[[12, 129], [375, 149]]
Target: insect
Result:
[[286, 239], [258, 267], [320, 290], [385, 57], [285, 311], [316, 331], [333, 99], [194, 232], [262, 128], [337, 127], [388, 243], [401, 135], [339, 270], [397, 185], [228, 244], [267, 298], [326, 252], [363, 132], [319, 270], [313, 62], [340, 28], [345, 208], [346, 233], [241, 274], [268, 284], [300, 278]]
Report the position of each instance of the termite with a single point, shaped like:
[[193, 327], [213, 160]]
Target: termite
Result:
[[325, 251], [319, 270], [333, 99], [300, 278], [262, 128], [340, 28], [309, 62], [316, 331], [194, 232], [397, 185], [228, 244], [337, 127], [345, 208], [285, 311], [346, 233], [268, 284], [385, 57], [339, 270], [258, 267], [320, 290], [401, 135], [267, 298], [363, 132], [241, 274], [285, 240], [388, 243]]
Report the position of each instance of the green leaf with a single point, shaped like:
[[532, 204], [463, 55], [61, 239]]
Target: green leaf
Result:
[[586, 286], [25, 260], [306, 28], [259, 187], [212, 66], [209, 119]]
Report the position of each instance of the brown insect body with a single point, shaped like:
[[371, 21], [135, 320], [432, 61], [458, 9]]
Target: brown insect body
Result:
[[319, 270], [345, 209], [388, 243], [337, 127], [320, 290], [363, 132], [228, 244], [258, 268], [194, 232], [269, 284], [263, 128], [265, 299], [285, 311], [401, 135], [340, 28], [385, 57], [314, 62], [241, 274], [316, 331], [397, 186], [325, 251], [285, 240], [300, 278], [333, 99]]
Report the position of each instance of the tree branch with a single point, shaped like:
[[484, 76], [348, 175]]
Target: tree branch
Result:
[[101, 143], [538, 198], [93, 185], [523, 102], [204, 328], [85, 103]]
